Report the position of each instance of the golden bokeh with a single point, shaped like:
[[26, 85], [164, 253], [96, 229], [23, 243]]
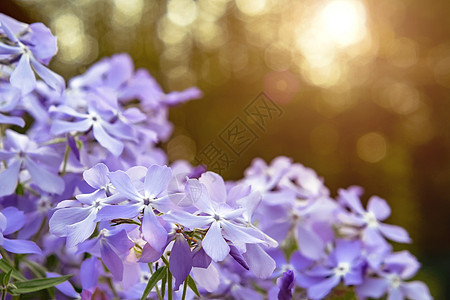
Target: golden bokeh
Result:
[[372, 147]]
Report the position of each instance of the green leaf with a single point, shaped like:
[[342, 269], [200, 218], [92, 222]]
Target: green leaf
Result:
[[157, 276], [192, 285], [6, 267], [35, 268], [20, 190], [55, 141], [28, 286], [79, 143], [40, 272], [6, 278], [163, 286]]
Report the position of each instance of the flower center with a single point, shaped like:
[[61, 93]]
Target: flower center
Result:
[[370, 219], [44, 205], [395, 281], [342, 269]]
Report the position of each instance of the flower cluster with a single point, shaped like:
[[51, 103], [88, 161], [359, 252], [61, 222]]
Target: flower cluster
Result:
[[86, 190]]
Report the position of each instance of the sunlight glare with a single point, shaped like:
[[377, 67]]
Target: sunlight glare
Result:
[[343, 21]]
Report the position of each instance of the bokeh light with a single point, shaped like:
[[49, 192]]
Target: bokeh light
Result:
[[343, 21], [372, 147]]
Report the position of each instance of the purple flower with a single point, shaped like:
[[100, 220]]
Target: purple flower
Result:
[[343, 263], [97, 119], [20, 152], [217, 215], [76, 219], [377, 210], [286, 285], [10, 99], [265, 179], [11, 220], [181, 260], [111, 246], [397, 268], [152, 194], [33, 46]]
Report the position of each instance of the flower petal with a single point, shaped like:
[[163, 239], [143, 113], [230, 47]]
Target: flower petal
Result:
[[154, 233], [81, 231], [214, 244], [44, 179], [89, 199], [7, 50], [320, 290], [208, 278], [20, 246], [347, 251], [97, 176], [111, 260], [18, 121], [260, 263], [200, 259], [416, 290], [234, 253], [89, 272], [199, 196], [122, 182], [120, 242], [15, 219], [63, 217], [54, 80], [188, 220], [23, 76], [149, 254], [351, 199], [9, 177], [111, 144], [59, 126], [286, 284], [156, 180], [373, 288], [9, 33], [215, 186], [240, 234], [309, 243], [110, 212], [379, 208], [395, 233], [180, 261]]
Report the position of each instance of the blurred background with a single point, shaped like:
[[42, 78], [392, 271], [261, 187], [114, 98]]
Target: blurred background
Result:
[[363, 87]]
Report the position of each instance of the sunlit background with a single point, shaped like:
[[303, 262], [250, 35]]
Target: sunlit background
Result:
[[364, 86]]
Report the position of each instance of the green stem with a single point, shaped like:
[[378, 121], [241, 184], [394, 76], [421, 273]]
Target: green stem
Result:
[[17, 259], [5, 256], [4, 293], [111, 287], [184, 289], [169, 279], [36, 236], [66, 158], [110, 284], [169, 285], [166, 262], [156, 286]]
